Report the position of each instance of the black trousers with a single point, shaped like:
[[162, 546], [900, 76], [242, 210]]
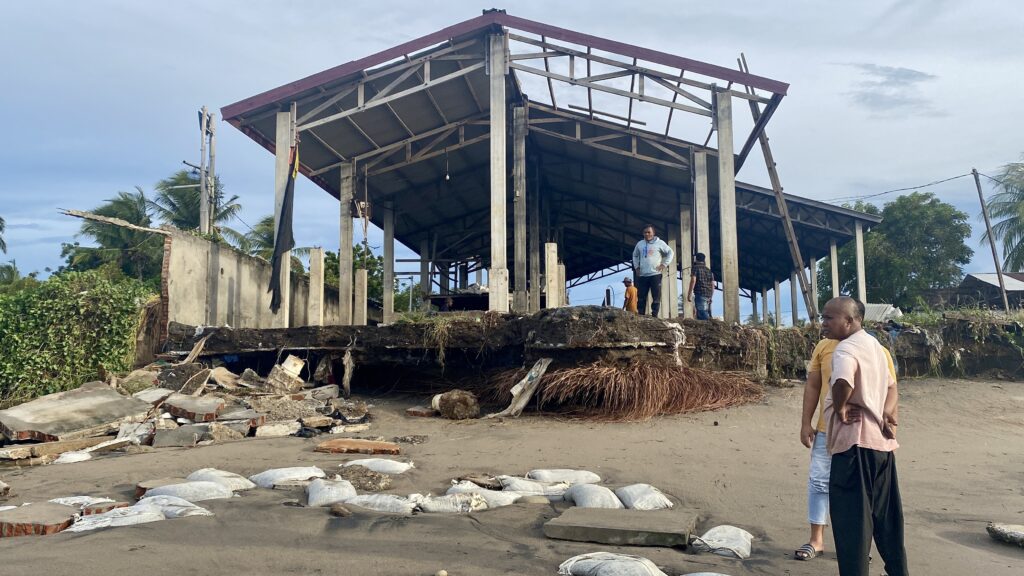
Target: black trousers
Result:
[[864, 502], [652, 283]]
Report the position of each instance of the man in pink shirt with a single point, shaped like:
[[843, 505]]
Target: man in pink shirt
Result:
[[861, 410]]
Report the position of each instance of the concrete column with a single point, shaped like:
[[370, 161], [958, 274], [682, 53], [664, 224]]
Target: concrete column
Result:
[[563, 292], [389, 264], [834, 261], [862, 290], [701, 207], [442, 277], [753, 306], [359, 308], [284, 141], [793, 289], [552, 292], [519, 296], [729, 258], [670, 293], [764, 305], [814, 283], [778, 306], [345, 277], [315, 303], [497, 275], [424, 274], [463, 274], [479, 276], [534, 241], [685, 256]]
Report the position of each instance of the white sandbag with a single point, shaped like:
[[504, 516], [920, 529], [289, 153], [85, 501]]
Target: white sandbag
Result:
[[564, 475], [553, 490], [129, 516], [6, 508], [273, 476], [725, 540], [494, 498], [591, 496], [643, 497], [193, 491], [80, 501], [383, 503], [171, 506], [450, 503], [608, 564], [234, 482], [73, 456], [381, 465], [323, 492], [705, 574]]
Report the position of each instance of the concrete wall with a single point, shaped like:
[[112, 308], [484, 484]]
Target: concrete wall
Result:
[[208, 284]]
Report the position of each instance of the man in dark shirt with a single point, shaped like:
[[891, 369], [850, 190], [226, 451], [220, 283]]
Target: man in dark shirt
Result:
[[702, 285]]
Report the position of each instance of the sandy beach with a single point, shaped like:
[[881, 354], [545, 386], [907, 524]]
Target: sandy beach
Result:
[[961, 465]]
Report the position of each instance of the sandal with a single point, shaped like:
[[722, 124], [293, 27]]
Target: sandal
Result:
[[807, 552]]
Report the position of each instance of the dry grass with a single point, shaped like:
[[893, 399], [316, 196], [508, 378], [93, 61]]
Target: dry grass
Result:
[[637, 391]]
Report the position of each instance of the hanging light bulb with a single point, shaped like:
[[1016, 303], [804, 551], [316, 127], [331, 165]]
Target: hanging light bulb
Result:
[[447, 176]]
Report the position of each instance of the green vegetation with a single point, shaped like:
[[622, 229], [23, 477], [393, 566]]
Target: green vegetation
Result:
[[1008, 208], [67, 330], [3, 244]]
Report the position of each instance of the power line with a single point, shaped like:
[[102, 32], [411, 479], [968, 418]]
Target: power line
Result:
[[865, 197]]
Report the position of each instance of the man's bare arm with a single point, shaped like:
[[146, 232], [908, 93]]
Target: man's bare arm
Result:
[[890, 413], [812, 391]]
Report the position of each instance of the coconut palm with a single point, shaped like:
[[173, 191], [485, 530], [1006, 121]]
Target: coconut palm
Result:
[[136, 253], [9, 273], [1008, 207], [178, 201], [3, 245], [259, 242]]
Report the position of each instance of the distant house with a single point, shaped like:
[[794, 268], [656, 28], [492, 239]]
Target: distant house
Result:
[[880, 313], [981, 290]]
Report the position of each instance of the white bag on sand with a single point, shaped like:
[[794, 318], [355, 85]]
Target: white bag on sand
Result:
[[608, 564], [564, 475], [129, 516], [383, 503], [591, 496], [494, 498], [194, 491], [381, 465], [80, 501], [72, 457], [450, 503], [273, 476], [725, 540], [553, 490], [171, 506], [323, 492], [233, 481], [643, 497]]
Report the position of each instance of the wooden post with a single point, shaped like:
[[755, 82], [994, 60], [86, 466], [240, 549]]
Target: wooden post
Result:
[[389, 265], [497, 275], [792, 297], [833, 259], [991, 241], [361, 285], [814, 285], [315, 303], [729, 259], [345, 278], [534, 241], [778, 306], [519, 129], [862, 291], [701, 207], [552, 292], [425, 274], [685, 256], [284, 138]]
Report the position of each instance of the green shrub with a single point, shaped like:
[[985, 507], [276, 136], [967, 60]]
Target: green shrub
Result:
[[65, 331]]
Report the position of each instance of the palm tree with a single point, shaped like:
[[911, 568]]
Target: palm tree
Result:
[[259, 242], [136, 253], [3, 245], [9, 273], [1008, 207], [178, 200]]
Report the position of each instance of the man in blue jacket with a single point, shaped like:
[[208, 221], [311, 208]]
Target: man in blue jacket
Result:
[[650, 257]]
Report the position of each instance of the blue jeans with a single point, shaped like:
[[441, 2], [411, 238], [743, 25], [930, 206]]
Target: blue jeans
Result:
[[817, 482], [703, 306]]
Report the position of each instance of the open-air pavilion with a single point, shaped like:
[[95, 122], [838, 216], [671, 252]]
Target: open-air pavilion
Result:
[[537, 154]]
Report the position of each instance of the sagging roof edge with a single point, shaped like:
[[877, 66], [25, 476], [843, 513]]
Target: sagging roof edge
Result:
[[232, 111]]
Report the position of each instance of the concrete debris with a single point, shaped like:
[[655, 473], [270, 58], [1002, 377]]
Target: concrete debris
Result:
[[323, 393], [410, 439], [339, 510], [624, 527], [39, 519], [457, 405], [138, 380], [218, 432], [351, 411], [175, 377], [482, 480], [195, 385], [4, 489], [278, 429], [364, 479], [146, 485], [204, 409], [251, 417], [1009, 533], [318, 421], [102, 507], [421, 412], [153, 395], [183, 437], [92, 410], [224, 378], [284, 377], [250, 379], [349, 428], [279, 408], [356, 446], [137, 432]]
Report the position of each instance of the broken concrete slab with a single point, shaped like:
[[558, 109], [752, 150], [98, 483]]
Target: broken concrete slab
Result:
[[319, 421], [669, 528], [284, 377], [357, 446], [224, 378], [277, 429], [153, 395], [351, 411], [174, 377], [219, 432], [252, 418], [102, 507], [364, 479], [243, 427], [28, 462], [410, 439], [421, 412], [94, 409], [146, 485], [202, 409], [138, 380], [16, 452], [196, 383], [183, 437], [281, 408], [40, 519], [349, 428]]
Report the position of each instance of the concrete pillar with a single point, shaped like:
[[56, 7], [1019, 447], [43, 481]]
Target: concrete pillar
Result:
[[534, 241], [389, 265], [701, 207], [552, 292], [753, 306], [563, 292], [778, 306], [463, 274], [497, 275], [814, 283], [442, 277], [670, 293], [347, 191], [479, 276], [519, 128], [729, 257], [764, 306], [284, 141], [793, 289], [834, 261], [425, 274], [315, 303], [685, 256], [862, 290], [359, 307]]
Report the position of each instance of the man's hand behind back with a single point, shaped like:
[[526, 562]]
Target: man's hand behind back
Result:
[[807, 433]]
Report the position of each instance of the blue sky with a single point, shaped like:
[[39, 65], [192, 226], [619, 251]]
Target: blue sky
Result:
[[101, 96]]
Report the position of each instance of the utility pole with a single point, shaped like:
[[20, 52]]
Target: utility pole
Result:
[[211, 186], [991, 240], [204, 192]]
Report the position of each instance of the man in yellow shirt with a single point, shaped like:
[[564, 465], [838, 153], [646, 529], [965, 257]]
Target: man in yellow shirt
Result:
[[812, 435], [630, 305]]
